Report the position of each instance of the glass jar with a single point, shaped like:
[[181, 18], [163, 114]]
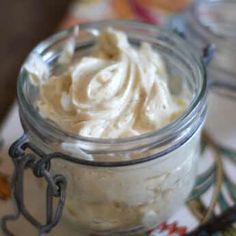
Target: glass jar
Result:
[[117, 186]]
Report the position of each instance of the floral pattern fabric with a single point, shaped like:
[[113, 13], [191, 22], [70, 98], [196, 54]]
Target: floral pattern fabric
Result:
[[215, 188]]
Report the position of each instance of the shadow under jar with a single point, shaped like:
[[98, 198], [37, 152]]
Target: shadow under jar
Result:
[[132, 184]]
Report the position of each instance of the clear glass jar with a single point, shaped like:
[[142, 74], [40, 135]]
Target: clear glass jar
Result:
[[132, 184]]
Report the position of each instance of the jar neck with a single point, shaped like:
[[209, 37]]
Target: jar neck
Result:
[[141, 148]]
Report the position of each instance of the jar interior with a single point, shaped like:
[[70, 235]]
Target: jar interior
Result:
[[185, 79], [183, 76]]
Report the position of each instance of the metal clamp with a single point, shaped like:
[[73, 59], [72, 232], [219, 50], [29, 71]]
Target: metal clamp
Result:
[[208, 53], [24, 156]]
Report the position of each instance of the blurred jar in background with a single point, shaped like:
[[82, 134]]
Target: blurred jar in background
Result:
[[211, 21]]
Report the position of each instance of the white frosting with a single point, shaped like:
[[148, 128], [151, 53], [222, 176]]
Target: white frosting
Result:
[[116, 91]]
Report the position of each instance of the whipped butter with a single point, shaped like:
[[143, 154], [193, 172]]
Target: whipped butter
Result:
[[116, 91]]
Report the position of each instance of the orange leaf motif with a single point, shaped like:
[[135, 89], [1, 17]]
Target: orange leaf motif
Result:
[[5, 187]]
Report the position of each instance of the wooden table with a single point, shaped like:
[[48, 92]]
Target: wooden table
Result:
[[22, 25]]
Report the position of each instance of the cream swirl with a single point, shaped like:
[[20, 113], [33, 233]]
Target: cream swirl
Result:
[[116, 91]]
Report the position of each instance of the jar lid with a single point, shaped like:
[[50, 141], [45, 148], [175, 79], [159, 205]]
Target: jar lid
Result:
[[212, 21]]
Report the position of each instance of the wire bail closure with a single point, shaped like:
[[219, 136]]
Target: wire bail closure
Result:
[[26, 156]]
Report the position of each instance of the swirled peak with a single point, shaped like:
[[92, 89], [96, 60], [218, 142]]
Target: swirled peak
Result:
[[116, 90]]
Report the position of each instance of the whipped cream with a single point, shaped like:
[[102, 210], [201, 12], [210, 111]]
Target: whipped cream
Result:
[[116, 91]]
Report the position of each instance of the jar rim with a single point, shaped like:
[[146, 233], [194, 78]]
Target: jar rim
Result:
[[28, 111]]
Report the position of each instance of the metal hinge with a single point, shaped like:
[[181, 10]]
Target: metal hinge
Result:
[[27, 156]]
